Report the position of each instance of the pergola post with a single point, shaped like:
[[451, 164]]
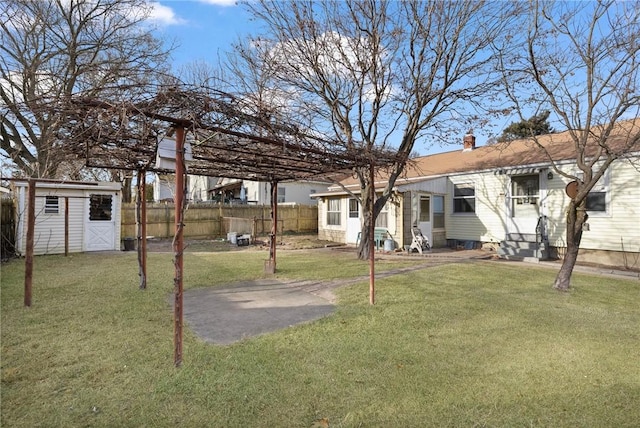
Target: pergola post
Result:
[[31, 225], [141, 228], [372, 225], [66, 226], [178, 246], [270, 265]]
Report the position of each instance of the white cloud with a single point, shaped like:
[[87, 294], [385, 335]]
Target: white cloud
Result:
[[164, 15], [221, 2]]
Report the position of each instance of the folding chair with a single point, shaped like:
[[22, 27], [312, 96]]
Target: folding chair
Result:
[[420, 242]]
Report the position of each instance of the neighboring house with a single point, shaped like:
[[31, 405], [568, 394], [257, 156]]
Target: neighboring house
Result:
[[503, 195], [164, 184], [197, 187], [226, 190], [92, 216], [259, 193]]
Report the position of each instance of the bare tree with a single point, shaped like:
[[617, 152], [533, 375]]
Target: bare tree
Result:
[[53, 49], [375, 73], [580, 60]]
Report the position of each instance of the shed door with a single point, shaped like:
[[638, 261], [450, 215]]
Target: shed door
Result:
[[100, 227]]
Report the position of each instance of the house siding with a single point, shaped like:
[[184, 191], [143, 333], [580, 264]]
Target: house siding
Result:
[[487, 223], [615, 230]]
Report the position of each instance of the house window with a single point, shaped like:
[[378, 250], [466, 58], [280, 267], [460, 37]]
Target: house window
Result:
[[438, 212], [597, 201], [464, 198], [425, 208], [597, 197], [51, 205], [333, 212], [382, 219], [100, 207], [354, 208], [281, 194]]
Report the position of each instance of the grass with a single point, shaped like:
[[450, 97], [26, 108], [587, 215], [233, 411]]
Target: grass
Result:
[[474, 344]]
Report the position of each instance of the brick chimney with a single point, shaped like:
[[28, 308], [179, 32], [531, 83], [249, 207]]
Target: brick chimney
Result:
[[469, 142]]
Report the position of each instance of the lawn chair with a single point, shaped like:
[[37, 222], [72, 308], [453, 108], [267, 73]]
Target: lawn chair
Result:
[[420, 242]]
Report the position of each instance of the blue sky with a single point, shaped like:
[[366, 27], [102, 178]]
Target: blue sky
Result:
[[201, 28], [205, 29]]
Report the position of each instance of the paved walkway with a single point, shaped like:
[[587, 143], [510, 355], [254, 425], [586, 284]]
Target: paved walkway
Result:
[[224, 315]]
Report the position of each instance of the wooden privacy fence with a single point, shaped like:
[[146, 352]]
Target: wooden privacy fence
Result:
[[7, 228], [216, 221]]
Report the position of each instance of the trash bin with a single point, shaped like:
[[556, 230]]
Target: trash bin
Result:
[[389, 245], [129, 244], [232, 237]]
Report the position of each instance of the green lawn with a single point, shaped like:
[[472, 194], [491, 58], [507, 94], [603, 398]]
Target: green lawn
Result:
[[472, 344]]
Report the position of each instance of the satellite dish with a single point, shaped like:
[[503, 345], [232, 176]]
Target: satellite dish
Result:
[[572, 189]]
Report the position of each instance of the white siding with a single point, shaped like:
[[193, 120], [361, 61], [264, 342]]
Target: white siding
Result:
[[301, 192], [436, 186], [295, 192], [616, 230], [488, 222], [49, 228]]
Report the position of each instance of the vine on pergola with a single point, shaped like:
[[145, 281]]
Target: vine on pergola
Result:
[[229, 137]]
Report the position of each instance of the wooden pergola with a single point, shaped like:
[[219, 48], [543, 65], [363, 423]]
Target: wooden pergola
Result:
[[226, 137]]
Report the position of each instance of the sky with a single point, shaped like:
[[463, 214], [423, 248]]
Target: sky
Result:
[[202, 29], [205, 29]]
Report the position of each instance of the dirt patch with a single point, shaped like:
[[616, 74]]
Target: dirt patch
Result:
[[284, 242]]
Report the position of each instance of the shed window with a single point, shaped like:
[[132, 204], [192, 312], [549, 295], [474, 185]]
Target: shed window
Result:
[[333, 212], [100, 207], [282, 195], [51, 205], [464, 198]]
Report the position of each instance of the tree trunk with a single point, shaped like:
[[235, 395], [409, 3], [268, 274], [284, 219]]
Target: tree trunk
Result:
[[126, 189], [363, 249], [576, 218]]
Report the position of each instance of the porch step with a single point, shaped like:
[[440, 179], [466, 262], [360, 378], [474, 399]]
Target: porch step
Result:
[[522, 245], [521, 237], [522, 259], [522, 250]]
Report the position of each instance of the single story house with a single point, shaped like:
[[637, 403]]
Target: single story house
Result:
[[504, 195], [259, 192], [87, 213], [231, 190]]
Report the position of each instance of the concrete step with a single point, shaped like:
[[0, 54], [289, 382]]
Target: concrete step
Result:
[[517, 252], [525, 245], [522, 259], [526, 237]]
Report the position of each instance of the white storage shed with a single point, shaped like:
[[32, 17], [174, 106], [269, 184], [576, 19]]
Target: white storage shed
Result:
[[86, 213]]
